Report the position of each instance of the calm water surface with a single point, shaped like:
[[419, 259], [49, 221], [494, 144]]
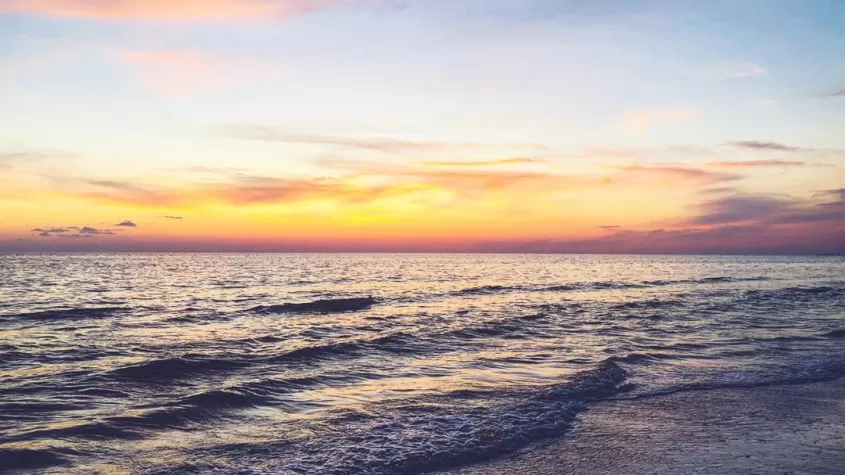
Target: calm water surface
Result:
[[376, 364]]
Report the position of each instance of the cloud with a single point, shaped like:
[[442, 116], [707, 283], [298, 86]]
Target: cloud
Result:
[[175, 73], [719, 190], [839, 93], [774, 147], [610, 227], [740, 209], [764, 164], [642, 120], [173, 217], [766, 146], [743, 70], [772, 210], [717, 239], [379, 144], [169, 9], [121, 191], [485, 163], [358, 182], [96, 232], [127, 224], [65, 232], [838, 193], [670, 175], [27, 156]]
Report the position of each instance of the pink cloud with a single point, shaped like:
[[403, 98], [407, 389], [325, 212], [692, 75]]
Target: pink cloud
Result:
[[185, 73], [168, 9]]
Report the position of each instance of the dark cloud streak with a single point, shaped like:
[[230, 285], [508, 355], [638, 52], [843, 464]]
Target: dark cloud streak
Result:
[[766, 146]]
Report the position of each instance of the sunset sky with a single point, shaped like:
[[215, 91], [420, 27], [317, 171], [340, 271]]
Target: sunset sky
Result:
[[423, 125]]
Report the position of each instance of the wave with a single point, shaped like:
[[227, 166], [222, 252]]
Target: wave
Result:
[[169, 369], [320, 306], [835, 334], [166, 370], [810, 290], [645, 358], [439, 431], [705, 280], [70, 313], [488, 289], [606, 285], [103, 430], [812, 372], [794, 293], [647, 304], [30, 459]]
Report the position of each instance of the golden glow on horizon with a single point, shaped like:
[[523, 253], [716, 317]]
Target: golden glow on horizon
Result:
[[346, 124]]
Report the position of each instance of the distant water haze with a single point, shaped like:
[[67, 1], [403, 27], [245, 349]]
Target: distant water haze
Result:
[[349, 364]]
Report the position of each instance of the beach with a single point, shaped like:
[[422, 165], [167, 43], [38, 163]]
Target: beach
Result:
[[780, 429]]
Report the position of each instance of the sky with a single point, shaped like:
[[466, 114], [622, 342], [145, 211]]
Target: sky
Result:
[[602, 126]]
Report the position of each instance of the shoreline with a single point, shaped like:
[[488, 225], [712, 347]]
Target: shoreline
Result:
[[777, 429]]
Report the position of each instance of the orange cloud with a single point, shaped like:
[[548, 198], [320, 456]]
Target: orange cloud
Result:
[[485, 163], [362, 182], [168, 9]]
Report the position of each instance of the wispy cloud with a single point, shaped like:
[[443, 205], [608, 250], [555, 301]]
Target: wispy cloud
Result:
[[180, 73], [835, 93], [127, 224], [766, 164], [359, 182], [671, 175], [774, 210], [484, 163], [838, 193], [643, 120], [27, 156], [379, 144], [766, 146], [775, 147], [173, 217], [112, 190], [740, 209], [738, 223], [742, 70], [169, 9]]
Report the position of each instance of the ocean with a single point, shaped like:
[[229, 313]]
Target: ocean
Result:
[[377, 363]]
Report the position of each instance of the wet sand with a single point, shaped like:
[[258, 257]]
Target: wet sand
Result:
[[786, 429]]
